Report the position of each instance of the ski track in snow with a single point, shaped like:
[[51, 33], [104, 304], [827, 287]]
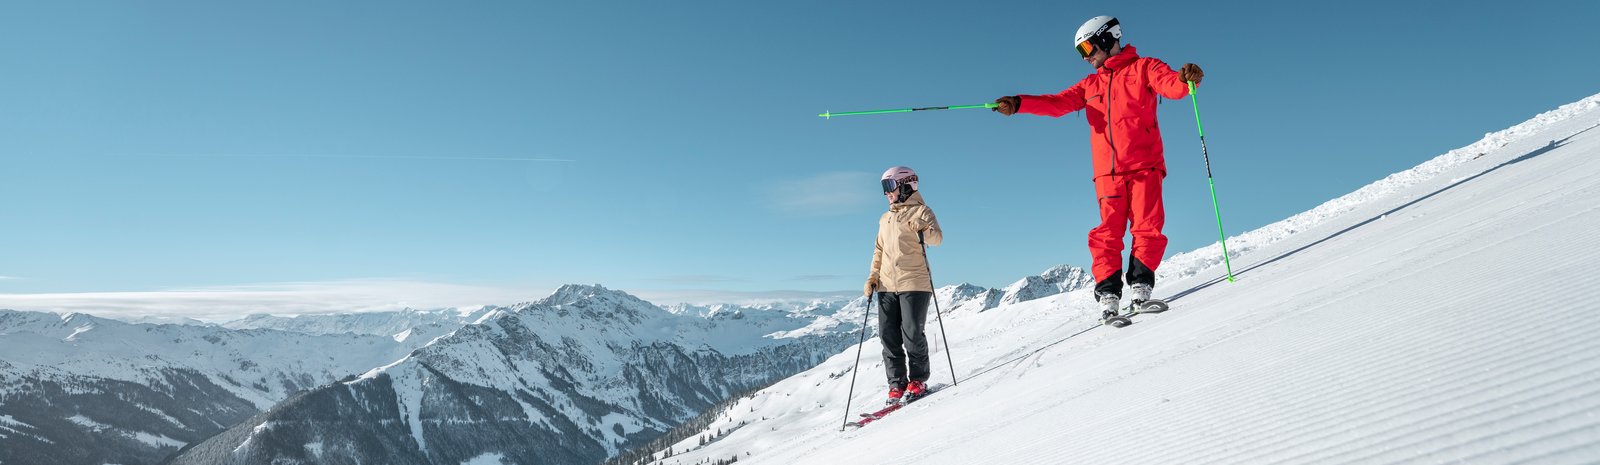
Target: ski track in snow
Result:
[[1438, 316]]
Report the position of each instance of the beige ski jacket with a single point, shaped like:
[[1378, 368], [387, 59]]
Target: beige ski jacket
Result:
[[898, 264]]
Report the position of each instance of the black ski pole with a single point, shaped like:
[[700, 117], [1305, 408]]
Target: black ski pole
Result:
[[854, 368], [936, 312]]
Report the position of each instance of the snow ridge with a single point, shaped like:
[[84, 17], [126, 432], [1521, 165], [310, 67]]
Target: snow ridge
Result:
[[1425, 318], [1191, 263]]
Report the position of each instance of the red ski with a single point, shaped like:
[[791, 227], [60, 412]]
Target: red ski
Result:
[[875, 416]]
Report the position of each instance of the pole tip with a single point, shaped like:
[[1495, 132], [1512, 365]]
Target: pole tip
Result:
[[826, 115]]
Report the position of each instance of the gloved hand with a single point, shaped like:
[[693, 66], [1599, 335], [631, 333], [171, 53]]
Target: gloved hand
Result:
[[872, 285], [1007, 105], [916, 223], [1191, 72]]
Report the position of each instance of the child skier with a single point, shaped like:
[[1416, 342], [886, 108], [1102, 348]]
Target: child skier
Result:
[[1119, 100], [900, 277]]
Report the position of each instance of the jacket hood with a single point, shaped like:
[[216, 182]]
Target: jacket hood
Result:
[[1120, 60], [914, 200]]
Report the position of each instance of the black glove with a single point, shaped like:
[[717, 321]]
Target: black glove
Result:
[[1191, 72], [1007, 105]]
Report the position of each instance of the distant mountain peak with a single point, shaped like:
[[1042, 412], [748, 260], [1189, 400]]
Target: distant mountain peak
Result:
[[1056, 280], [1062, 273], [572, 293], [596, 300]]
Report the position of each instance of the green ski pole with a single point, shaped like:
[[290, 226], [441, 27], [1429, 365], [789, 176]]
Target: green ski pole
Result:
[[904, 110], [1214, 207]]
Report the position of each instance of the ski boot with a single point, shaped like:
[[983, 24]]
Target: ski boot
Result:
[[896, 392], [915, 391], [1139, 293], [1142, 303], [1110, 305]]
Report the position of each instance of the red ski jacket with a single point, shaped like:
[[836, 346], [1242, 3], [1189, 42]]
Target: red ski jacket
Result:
[[1120, 102]]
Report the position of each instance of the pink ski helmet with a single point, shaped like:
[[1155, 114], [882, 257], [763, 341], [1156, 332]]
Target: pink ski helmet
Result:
[[897, 179]]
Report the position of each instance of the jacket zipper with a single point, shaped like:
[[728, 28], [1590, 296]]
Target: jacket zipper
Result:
[[1111, 142], [894, 220], [893, 270]]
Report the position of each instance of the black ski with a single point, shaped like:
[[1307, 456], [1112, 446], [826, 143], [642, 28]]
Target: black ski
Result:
[[1125, 318]]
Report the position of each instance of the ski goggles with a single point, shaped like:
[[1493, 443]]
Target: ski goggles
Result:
[[1085, 48], [889, 185]]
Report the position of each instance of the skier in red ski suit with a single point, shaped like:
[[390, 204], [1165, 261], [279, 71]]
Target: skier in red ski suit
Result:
[[1119, 100]]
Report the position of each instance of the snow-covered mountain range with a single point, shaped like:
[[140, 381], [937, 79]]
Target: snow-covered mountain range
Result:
[[78, 388], [567, 379], [82, 389], [408, 324], [1435, 316]]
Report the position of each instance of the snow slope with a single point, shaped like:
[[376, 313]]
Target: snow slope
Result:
[[1438, 315]]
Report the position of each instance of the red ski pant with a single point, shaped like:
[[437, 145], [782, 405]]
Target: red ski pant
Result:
[[1128, 198]]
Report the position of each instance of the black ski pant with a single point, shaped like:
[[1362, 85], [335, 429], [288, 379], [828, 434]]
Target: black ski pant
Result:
[[1137, 274], [901, 316]]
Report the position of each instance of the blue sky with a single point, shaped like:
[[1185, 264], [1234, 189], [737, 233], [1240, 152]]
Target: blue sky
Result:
[[152, 147]]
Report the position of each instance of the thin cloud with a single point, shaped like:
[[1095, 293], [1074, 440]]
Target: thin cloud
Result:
[[224, 303], [376, 157], [697, 279], [816, 277], [709, 296], [218, 304], [826, 194], [10, 278]]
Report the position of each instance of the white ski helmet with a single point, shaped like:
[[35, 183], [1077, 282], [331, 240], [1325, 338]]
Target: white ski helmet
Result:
[[897, 177], [1100, 32]]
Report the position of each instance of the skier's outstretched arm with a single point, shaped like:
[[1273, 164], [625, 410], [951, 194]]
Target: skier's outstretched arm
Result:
[[1053, 105]]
